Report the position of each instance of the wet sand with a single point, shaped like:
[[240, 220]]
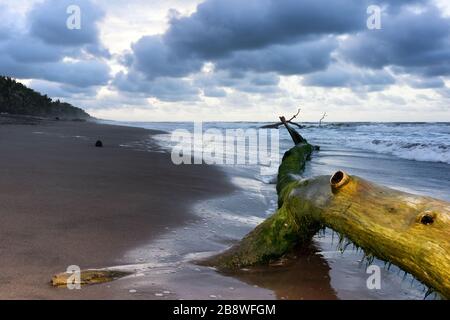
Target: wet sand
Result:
[[64, 202]]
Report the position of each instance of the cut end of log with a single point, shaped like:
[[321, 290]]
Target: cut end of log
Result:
[[339, 179], [427, 218]]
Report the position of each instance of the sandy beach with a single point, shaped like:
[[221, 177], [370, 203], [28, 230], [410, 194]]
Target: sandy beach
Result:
[[64, 202], [127, 206]]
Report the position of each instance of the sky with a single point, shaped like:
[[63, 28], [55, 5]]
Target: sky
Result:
[[234, 60]]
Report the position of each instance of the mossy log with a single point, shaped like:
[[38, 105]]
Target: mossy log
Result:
[[88, 277], [410, 231]]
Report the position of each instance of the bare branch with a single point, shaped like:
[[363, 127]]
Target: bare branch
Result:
[[296, 137], [272, 126], [278, 124], [295, 115], [323, 117]]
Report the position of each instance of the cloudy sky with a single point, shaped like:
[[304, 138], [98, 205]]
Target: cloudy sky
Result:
[[234, 59]]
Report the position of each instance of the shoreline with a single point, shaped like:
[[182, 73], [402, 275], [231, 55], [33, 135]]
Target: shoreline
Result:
[[65, 202]]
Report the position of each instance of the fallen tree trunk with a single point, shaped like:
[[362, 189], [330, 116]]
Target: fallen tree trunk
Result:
[[410, 231]]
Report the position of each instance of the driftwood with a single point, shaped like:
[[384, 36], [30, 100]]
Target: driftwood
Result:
[[410, 231], [278, 124], [296, 137], [321, 119], [88, 277]]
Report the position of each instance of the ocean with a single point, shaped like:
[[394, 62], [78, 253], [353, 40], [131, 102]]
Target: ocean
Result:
[[412, 157]]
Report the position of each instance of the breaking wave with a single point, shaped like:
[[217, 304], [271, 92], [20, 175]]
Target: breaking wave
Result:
[[433, 152]]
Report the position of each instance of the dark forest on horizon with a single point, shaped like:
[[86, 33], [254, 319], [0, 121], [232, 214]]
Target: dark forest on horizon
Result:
[[17, 99]]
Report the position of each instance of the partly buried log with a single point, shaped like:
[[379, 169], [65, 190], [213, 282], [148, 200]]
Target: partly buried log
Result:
[[88, 277], [410, 231]]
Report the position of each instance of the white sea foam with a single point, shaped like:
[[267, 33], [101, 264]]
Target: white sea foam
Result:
[[406, 150], [359, 148], [417, 141]]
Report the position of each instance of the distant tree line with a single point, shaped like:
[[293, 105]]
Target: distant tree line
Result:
[[15, 98]]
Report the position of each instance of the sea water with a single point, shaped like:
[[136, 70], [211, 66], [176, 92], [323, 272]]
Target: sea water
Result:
[[412, 157]]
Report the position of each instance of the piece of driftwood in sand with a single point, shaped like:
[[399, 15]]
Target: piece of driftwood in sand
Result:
[[278, 124], [410, 231], [88, 277]]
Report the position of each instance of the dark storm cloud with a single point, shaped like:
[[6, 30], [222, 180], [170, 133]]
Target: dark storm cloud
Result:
[[245, 82], [153, 58], [298, 58], [219, 27], [291, 37], [165, 89], [426, 83], [48, 21], [340, 76], [6, 25], [214, 92], [46, 49], [26, 49], [254, 83], [84, 73], [57, 90], [410, 42], [286, 37]]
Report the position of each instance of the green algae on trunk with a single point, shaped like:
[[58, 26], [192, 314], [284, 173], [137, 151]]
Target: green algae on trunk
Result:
[[280, 232], [411, 231], [292, 165]]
